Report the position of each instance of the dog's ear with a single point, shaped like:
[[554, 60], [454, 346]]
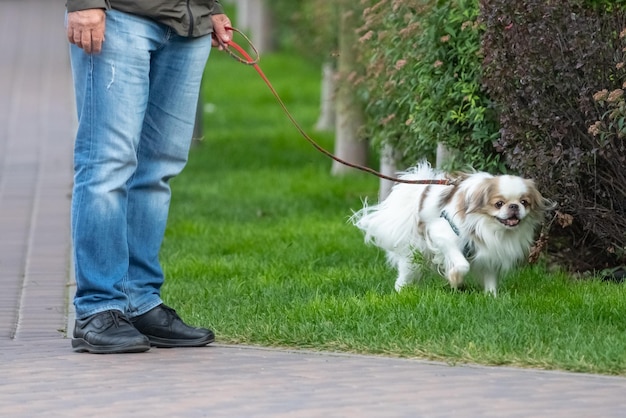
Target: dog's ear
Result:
[[478, 197], [539, 203]]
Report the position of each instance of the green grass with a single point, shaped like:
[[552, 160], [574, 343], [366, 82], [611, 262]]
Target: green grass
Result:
[[258, 247]]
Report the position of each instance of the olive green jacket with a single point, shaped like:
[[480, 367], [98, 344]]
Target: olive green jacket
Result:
[[190, 18]]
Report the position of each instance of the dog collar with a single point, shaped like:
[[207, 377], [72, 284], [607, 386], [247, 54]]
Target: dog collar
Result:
[[468, 250], [447, 217]]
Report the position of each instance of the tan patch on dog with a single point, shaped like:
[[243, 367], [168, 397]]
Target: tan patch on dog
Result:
[[423, 198], [484, 197], [421, 228], [538, 203], [447, 195], [461, 205], [455, 277]]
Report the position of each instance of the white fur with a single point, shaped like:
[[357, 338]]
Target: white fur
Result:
[[410, 220]]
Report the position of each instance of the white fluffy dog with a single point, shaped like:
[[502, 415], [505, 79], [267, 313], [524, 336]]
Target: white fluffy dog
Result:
[[480, 223]]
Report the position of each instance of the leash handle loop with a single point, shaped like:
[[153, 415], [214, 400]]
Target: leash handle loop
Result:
[[248, 60]]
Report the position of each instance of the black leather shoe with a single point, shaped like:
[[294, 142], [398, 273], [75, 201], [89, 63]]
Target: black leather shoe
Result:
[[165, 329], [108, 332]]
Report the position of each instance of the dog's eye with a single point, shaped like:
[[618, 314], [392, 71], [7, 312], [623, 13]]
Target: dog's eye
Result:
[[525, 203], [499, 204]]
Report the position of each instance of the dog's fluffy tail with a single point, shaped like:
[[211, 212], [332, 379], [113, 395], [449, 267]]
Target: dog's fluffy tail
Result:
[[392, 223]]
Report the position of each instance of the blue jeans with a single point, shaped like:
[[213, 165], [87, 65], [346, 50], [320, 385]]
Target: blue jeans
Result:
[[136, 103]]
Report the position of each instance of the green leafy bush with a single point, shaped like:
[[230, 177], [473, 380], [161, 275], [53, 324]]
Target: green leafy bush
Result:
[[544, 61], [422, 83]]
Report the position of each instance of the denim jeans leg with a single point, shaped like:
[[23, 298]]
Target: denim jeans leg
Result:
[[123, 160], [175, 78]]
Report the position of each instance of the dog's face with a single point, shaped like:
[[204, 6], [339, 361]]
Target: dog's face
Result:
[[508, 200]]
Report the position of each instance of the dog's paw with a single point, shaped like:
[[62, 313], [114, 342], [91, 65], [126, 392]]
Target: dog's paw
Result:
[[456, 275], [400, 285], [491, 285]]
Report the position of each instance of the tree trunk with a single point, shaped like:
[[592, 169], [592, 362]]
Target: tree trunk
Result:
[[326, 121], [254, 17], [348, 145], [388, 167], [444, 156]]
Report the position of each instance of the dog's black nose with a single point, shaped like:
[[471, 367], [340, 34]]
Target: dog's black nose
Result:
[[514, 206]]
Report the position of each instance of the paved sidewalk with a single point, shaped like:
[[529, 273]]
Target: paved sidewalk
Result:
[[41, 376]]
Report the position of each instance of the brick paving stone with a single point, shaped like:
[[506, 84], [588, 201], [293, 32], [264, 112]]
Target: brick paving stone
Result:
[[41, 376], [247, 381], [36, 135]]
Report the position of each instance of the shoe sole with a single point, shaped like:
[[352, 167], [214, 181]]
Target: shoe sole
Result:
[[81, 346], [174, 343]]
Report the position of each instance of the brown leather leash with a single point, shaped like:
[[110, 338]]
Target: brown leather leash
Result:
[[245, 58]]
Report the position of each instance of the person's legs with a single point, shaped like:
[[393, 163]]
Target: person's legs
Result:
[[176, 73], [136, 105], [111, 97], [175, 76]]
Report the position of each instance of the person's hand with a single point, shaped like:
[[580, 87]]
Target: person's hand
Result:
[[221, 35], [85, 29]]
